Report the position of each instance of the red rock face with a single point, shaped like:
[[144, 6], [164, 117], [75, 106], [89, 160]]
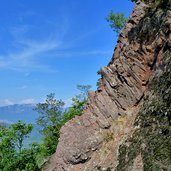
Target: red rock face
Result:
[[90, 142]]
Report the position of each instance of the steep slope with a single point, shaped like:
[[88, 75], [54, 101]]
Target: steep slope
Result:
[[149, 147], [128, 117]]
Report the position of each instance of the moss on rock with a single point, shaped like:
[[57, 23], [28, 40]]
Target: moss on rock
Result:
[[152, 136]]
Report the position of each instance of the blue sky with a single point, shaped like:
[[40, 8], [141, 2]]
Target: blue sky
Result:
[[51, 46]]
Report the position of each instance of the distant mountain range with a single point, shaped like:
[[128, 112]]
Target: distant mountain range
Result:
[[24, 112], [13, 113]]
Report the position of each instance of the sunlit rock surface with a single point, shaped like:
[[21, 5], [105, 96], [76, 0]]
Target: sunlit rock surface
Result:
[[128, 118]]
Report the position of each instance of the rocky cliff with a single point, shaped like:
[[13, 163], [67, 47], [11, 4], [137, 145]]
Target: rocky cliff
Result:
[[126, 125]]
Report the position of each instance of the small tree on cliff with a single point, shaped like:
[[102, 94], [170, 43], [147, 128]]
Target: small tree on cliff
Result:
[[116, 20], [78, 104]]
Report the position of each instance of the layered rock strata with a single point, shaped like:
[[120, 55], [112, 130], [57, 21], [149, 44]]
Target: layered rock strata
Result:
[[95, 140]]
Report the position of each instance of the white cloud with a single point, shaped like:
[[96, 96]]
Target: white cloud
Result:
[[26, 54], [6, 121], [68, 103], [7, 102], [90, 53], [27, 58], [28, 101]]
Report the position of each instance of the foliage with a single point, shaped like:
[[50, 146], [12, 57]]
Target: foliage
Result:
[[154, 3], [152, 136], [12, 155], [20, 131], [14, 135], [98, 83], [53, 116], [78, 104], [116, 20], [84, 89], [50, 121]]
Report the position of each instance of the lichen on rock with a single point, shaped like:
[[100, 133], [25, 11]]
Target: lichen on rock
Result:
[[152, 137]]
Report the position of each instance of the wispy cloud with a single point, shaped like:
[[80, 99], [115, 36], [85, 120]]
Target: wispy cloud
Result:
[[5, 121], [7, 102], [28, 101], [27, 54], [26, 59], [90, 53], [26, 50], [32, 53]]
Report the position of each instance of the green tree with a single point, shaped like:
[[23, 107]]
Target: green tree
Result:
[[13, 136], [116, 20], [50, 121], [98, 83], [7, 145], [79, 102], [21, 131], [84, 89], [53, 117], [12, 154], [27, 160]]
